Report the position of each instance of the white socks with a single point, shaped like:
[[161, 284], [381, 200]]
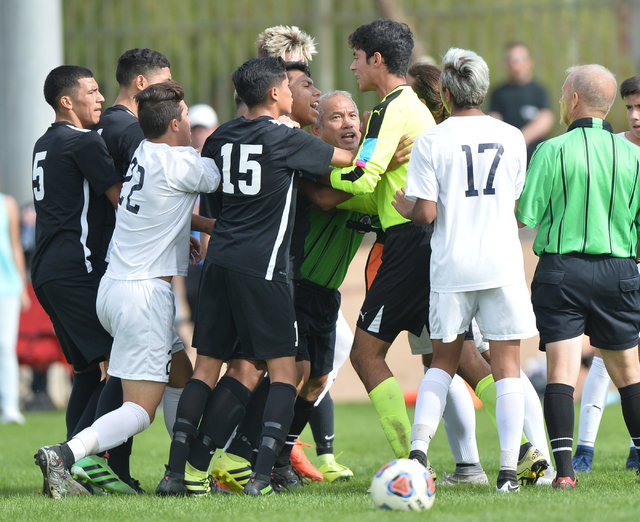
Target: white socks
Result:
[[534, 418], [510, 420], [594, 398], [170, 400], [432, 397], [110, 430], [460, 422]]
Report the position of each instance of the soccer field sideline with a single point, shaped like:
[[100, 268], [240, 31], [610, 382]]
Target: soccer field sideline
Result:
[[608, 491]]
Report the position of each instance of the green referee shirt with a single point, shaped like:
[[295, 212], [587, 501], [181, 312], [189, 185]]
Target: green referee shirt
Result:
[[330, 246], [583, 190], [400, 112]]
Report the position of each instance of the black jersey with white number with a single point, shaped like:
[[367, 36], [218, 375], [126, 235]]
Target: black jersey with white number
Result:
[[72, 169], [258, 160], [122, 133]]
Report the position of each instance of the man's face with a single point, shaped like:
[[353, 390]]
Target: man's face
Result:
[[285, 98], [519, 64], [340, 123], [159, 75], [362, 70], [87, 102], [184, 126], [632, 103], [305, 98]]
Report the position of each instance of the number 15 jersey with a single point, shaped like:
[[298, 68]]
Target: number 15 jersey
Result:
[[473, 167], [258, 160]]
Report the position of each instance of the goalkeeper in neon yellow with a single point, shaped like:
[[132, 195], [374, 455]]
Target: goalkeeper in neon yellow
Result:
[[398, 297]]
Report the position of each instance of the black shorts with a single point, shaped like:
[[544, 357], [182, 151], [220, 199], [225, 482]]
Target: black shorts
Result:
[[584, 294], [243, 317], [317, 312], [71, 305], [398, 298]]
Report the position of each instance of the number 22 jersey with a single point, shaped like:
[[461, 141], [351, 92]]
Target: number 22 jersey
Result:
[[258, 160], [473, 167]]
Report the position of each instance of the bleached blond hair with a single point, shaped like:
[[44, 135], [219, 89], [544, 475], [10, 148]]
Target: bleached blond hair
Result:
[[282, 39]]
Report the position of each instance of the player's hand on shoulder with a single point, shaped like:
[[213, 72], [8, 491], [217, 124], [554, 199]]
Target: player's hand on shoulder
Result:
[[403, 205], [286, 120], [403, 152]]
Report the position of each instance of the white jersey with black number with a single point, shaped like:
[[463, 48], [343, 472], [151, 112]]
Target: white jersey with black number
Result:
[[473, 167], [151, 238]]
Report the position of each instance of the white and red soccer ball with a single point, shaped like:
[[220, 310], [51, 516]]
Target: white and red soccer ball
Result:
[[403, 485]]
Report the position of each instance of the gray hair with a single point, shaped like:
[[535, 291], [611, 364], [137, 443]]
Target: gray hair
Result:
[[466, 75], [590, 82], [331, 94]]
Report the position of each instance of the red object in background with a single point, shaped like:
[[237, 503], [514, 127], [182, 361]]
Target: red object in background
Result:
[[38, 346], [410, 397]]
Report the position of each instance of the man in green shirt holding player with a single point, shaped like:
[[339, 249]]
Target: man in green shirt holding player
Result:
[[398, 297], [583, 191]]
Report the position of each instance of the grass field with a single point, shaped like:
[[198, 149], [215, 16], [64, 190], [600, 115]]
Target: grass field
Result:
[[607, 494]]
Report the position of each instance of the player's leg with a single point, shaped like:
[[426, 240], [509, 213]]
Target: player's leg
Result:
[[223, 412], [397, 300], [624, 370], [432, 395], [592, 403], [136, 413], [563, 366], [368, 359], [276, 422], [459, 422], [9, 318], [181, 371]]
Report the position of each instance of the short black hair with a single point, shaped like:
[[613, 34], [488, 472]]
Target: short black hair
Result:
[[139, 61], [393, 40], [62, 81], [298, 66], [255, 77], [158, 104], [630, 86]]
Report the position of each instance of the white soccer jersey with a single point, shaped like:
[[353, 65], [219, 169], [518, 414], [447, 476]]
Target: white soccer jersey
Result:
[[473, 167], [151, 237]]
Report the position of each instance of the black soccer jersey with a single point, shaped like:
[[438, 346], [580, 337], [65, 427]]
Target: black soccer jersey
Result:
[[258, 159], [72, 169], [122, 133]]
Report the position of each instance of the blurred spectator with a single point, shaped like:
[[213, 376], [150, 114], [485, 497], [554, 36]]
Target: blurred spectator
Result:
[[521, 101], [13, 297], [204, 121]]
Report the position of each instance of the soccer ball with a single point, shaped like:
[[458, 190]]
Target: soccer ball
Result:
[[403, 485]]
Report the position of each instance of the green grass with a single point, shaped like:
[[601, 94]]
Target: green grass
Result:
[[608, 493]]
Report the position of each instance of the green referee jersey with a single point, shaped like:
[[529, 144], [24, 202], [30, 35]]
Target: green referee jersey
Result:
[[330, 246], [400, 112], [583, 190]]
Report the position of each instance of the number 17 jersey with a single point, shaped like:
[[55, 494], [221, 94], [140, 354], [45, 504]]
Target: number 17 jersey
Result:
[[259, 160], [473, 167]]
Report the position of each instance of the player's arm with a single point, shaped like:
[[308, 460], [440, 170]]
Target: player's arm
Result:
[[202, 224], [113, 193], [420, 211], [322, 196], [342, 157], [96, 164]]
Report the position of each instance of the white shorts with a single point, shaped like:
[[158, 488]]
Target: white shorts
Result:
[[503, 314], [139, 315], [422, 345]]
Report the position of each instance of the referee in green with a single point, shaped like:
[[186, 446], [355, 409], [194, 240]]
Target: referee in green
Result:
[[583, 191]]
